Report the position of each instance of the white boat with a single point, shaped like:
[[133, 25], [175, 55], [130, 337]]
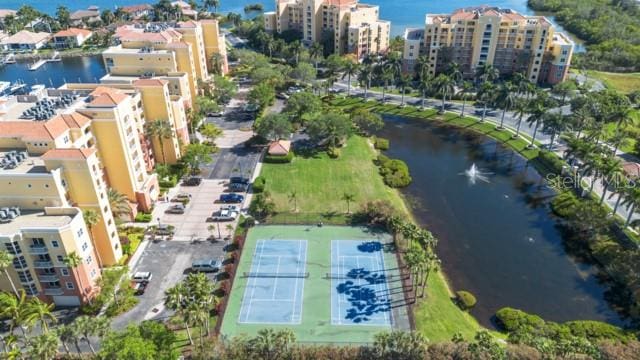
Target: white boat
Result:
[[37, 65], [4, 85], [9, 59], [55, 58]]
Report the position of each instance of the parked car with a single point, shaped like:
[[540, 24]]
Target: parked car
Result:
[[216, 113], [142, 276], [175, 209], [193, 181], [238, 180], [224, 215], [181, 197], [250, 108], [235, 208], [238, 187], [231, 198], [282, 96], [139, 287], [163, 229], [206, 265]]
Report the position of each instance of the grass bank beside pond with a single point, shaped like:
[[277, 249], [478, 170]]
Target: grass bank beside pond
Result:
[[623, 82], [320, 182]]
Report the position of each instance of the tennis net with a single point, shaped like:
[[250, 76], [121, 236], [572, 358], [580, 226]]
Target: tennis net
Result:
[[361, 276], [275, 275]]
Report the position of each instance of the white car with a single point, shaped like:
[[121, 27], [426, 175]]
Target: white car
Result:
[[224, 215], [232, 208], [142, 276]]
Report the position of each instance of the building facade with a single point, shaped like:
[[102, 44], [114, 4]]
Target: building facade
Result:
[[343, 25], [473, 37]]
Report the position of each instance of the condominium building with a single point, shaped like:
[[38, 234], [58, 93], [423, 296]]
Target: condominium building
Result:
[[40, 240], [350, 27], [472, 37], [158, 50]]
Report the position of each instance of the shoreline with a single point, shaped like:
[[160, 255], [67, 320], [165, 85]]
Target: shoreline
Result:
[[64, 54]]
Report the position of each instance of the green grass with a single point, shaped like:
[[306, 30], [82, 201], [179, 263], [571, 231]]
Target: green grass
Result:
[[315, 326], [623, 82], [320, 182], [629, 145]]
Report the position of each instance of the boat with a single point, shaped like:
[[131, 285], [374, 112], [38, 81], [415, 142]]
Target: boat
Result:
[[4, 86], [9, 59], [55, 57]]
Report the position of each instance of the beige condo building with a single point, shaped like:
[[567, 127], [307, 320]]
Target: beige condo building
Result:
[[482, 35], [350, 27]]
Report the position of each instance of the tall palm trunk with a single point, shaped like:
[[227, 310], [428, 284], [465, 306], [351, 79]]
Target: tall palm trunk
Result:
[[605, 183], [424, 283], [518, 127], [384, 88], [631, 211], [424, 95], [66, 347], [444, 100], [77, 344], [366, 89], [186, 324], [504, 111], [484, 111], [164, 159], [402, 98], [615, 207], [93, 351], [349, 84], [464, 103], [535, 132]]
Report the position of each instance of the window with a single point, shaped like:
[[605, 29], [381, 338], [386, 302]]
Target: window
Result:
[[84, 246], [70, 285], [31, 289], [25, 276], [54, 243], [89, 260], [19, 262], [13, 248], [93, 273], [60, 258], [64, 272]]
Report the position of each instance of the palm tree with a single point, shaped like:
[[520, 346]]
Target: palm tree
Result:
[[348, 198], [423, 66], [414, 257], [14, 308], [554, 123], [211, 3], [73, 261], [425, 83], [6, 260], [293, 197], [350, 69], [485, 95], [631, 200], [487, 72], [175, 300], [44, 347], [386, 76], [466, 88], [520, 109], [87, 328], [91, 219], [316, 51], [39, 312], [506, 98], [538, 112], [118, 203], [454, 72], [444, 86], [403, 82], [365, 75], [394, 62], [66, 334], [431, 264], [611, 172], [296, 48], [163, 130], [271, 344]]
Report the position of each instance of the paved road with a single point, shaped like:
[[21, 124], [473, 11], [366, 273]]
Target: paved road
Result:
[[236, 161], [169, 262]]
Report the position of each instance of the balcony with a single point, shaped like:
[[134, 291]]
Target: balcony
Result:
[[42, 264], [48, 278], [53, 291], [38, 249]]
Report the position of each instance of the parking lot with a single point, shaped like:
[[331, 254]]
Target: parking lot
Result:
[[169, 262]]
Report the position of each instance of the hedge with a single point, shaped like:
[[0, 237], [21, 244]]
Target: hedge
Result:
[[381, 144], [465, 300], [565, 204], [259, 184], [143, 217], [551, 160], [395, 173], [279, 159], [333, 152]]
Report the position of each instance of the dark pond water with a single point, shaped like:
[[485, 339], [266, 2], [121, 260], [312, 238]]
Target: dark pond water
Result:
[[75, 69], [497, 238]]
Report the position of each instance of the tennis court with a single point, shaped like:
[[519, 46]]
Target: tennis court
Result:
[[273, 294], [359, 292]]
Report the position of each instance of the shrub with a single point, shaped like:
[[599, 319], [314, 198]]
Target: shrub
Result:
[[513, 319], [279, 159], [637, 148], [565, 204], [375, 213], [381, 144], [259, 184], [465, 300], [333, 152], [596, 330], [395, 173], [551, 160], [143, 217]]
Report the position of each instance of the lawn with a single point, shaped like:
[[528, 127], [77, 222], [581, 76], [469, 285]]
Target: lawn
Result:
[[623, 82], [319, 183]]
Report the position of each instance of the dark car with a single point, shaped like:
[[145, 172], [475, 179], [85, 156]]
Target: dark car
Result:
[[238, 180], [238, 187], [231, 198], [193, 181], [139, 287]]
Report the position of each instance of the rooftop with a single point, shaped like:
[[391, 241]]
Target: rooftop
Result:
[[66, 154], [120, 50], [72, 32], [26, 37], [34, 219], [136, 8], [29, 165], [414, 34]]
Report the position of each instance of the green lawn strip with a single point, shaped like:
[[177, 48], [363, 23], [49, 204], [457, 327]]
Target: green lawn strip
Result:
[[623, 82], [629, 145], [316, 312], [320, 182]]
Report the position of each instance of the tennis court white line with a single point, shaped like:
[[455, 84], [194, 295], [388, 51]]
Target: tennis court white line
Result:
[[295, 289], [253, 288], [384, 287], [275, 280]]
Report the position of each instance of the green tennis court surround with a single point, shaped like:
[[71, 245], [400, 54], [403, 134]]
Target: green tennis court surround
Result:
[[268, 257]]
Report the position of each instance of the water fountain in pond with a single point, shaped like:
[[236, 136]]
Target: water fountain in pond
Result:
[[474, 174]]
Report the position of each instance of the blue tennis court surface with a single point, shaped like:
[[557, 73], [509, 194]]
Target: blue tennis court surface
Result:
[[275, 285], [359, 292]]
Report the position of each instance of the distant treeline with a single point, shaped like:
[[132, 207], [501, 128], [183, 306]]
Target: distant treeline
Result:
[[253, 7], [611, 30]]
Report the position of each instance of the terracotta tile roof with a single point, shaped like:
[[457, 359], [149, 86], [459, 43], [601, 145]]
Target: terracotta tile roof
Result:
[[75, 120], [136, 8], [72, 32], [5, 12], [56, 154], [178, 45], [31, 130], [106, 96], [26, 37], [632, 169], [187, 24], [150, 82], [280, 147]]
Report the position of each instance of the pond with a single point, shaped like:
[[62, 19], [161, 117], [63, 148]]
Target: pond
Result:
[[497, 237]]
